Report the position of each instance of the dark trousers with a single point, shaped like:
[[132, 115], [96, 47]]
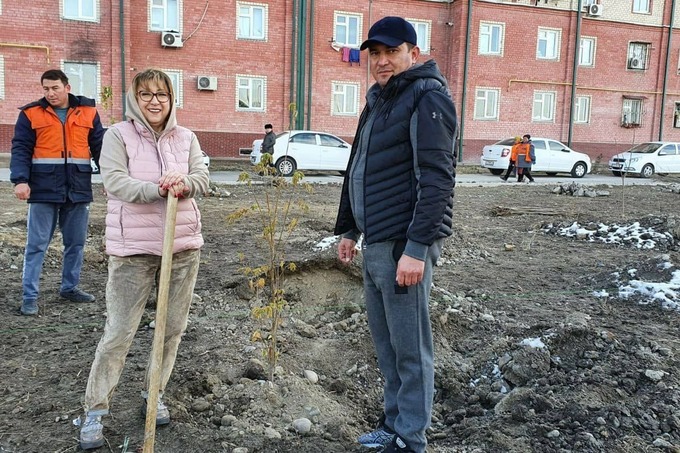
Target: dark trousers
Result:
[[522, 172], [511, 167]]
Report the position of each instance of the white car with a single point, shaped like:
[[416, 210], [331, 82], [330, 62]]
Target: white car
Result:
[[305, 150], [646, 159], [552, 157]]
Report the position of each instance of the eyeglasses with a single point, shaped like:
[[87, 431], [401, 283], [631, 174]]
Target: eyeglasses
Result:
[[147, 96]]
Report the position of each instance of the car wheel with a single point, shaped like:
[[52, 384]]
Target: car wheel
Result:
[[616, 173], [286, 166], [647, 171], [496, 171], [579, 170], [551, 173]]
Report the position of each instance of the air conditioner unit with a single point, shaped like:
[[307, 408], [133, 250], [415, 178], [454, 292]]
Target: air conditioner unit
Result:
[[595, 10], [207, 83], [171, 39], [635, 63]]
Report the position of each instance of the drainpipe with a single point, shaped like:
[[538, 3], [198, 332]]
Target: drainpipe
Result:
[[302, 31], [468, 33], [293, 62], [368, 66], [310, 59], [574, 72], [121, 17], [665, 72]]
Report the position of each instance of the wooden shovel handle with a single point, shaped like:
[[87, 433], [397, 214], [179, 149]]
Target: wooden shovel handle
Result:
[[159, 333]]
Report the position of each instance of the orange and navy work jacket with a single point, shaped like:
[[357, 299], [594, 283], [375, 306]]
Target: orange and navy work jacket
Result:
[[54, 157]]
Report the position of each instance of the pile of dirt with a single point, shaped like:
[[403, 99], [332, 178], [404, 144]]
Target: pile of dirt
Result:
[[529, 356]]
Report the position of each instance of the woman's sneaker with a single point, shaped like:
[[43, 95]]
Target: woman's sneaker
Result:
[[91, 432], [162, 412]]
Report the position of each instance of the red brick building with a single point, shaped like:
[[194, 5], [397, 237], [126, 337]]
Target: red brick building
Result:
[[237, 64]]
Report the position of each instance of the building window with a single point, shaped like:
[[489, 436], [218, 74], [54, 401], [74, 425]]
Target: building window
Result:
[[250, 93], [582, 109], [586, 56], [2, 77], [83, 78], [345, 99], [544, 106], [631, 116], [637, 55], [347, 29], [641, 6], [548, 47], [486, 104], [676, 115], [491, 38], [423, 33], [176, 79], [80, 10], [252, 21], [164, 15]]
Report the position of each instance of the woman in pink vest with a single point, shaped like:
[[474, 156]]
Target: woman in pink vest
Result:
[[144, 160]]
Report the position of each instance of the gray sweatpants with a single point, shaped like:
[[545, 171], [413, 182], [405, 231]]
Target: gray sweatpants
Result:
[[399, 320], [131, 280]]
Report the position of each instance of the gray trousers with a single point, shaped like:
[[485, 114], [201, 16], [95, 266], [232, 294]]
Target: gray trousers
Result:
[[399, 320], [131, 280]]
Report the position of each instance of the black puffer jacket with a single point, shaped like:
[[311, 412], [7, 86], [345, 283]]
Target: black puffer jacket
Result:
[[408, 132]]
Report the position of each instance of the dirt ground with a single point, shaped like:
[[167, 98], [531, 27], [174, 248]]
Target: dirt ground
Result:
[[529, 358]]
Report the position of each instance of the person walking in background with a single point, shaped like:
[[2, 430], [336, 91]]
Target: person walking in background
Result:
[[406, 135], [526, 157], [54, 140], [269, 139], [145, 160], [512, 165]]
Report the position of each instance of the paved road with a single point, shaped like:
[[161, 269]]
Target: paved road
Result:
[[463, 179]]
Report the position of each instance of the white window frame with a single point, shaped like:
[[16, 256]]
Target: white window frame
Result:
[[76, 81], [2, 77], [344, 20], [487, 103], [423, 32], [639, 50], [250, 79], [344, 102], [79, 15], [586, 53], [250, 17], [642, 7], [631, 112], [582, 109], [163, 6], [552, 38], [543, 107], [486, 44], [177, 80]]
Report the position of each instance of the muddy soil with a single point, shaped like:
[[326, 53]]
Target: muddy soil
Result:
[[535, 350]]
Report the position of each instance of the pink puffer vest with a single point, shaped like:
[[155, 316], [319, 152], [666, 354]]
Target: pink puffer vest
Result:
[[132, 228]]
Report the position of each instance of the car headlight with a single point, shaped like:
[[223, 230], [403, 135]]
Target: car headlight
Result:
[[634, 159]]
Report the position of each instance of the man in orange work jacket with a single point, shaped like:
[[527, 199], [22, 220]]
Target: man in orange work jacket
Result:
[[54, 139]]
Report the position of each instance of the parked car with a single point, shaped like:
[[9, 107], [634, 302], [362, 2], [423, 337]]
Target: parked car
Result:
[[552, 157], [646, 159], [95, 167], [305, 150]]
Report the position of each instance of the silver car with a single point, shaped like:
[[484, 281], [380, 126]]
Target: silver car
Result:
[[646, 159]]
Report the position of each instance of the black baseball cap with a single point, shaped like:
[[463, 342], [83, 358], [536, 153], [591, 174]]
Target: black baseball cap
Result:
[[391, 31]]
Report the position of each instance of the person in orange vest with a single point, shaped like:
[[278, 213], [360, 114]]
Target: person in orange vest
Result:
[[513, 159], [526, 157], [54, 140]]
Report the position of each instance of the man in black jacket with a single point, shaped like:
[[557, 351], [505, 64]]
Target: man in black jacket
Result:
[[269, 139], [398, 193]]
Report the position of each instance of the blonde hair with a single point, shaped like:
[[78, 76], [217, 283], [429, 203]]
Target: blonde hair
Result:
[[148, 76]]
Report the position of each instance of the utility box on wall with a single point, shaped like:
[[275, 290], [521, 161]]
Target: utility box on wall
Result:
[[206, 83]]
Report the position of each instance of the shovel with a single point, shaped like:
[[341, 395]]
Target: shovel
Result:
[[161, 315]]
